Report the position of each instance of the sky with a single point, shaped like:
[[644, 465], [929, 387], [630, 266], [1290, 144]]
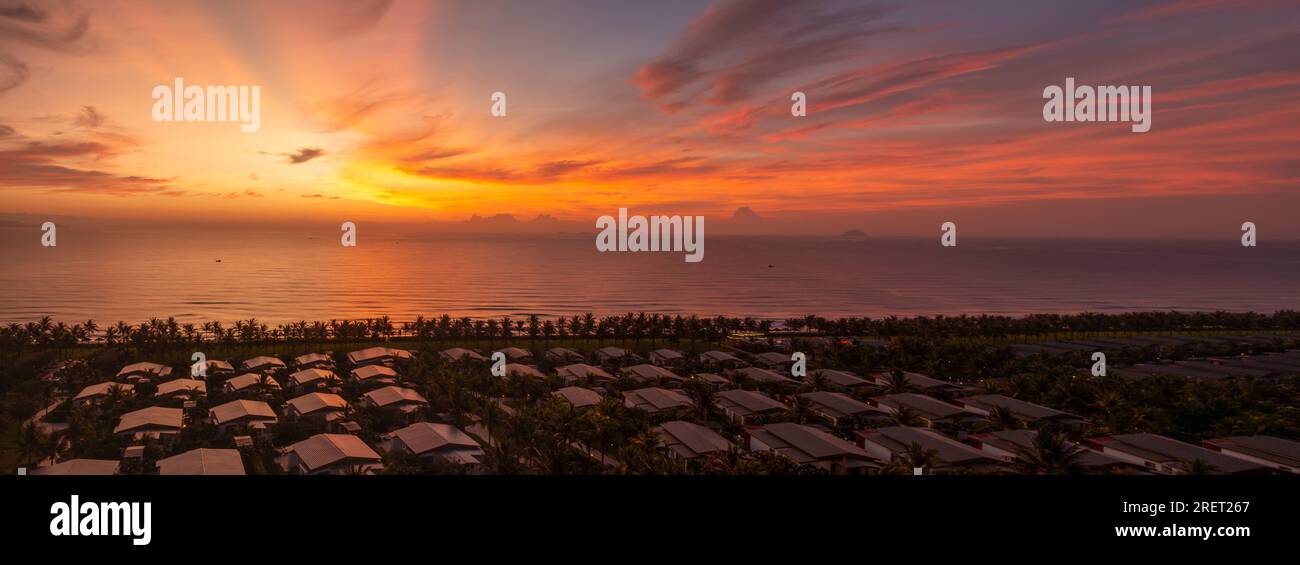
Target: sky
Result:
[[917, 113]]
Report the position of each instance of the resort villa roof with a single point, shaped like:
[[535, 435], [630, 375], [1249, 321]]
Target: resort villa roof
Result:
[[423, 438], [203, 461], [314, 402], [716, 356], [216, 366], [1170, 455], [263, 363], [923, 383], [666, 356], [395, 396], [323, 450], [1009, 443], [369, 372], [250, 379], [182, 385], [655, 399], [712, 378], [310, 376], [563, 354], [646, 372], [101, 389], [886, 442], [144, 369], [689, 440], [153, 418], [583, 371], [80, 467], [521, 370], [459, 353], [1031, 413], [312, 359], [1281, 454], [578, 397], [237, 410], [931, 409], [838, 405], [745, 403], [377, 355], [516, 354], [843, 379], [764, 376], [807, 445], [773, 359]]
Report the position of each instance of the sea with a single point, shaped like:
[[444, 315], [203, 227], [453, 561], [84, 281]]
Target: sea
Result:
[[284, 275]]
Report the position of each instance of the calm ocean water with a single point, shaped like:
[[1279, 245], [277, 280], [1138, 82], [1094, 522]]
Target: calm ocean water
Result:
[[286, 276]]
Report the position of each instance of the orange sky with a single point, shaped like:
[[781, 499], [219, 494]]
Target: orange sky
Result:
[[379, 110]]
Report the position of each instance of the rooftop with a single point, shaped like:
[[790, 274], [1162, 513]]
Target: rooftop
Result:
[[203, 461]]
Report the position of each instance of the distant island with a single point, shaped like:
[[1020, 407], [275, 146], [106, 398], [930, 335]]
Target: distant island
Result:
[[855, 233]]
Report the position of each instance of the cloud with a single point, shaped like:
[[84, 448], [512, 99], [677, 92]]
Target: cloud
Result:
[[738, 46], [12, 73], [304, 154], [23, 11], [6, 131], [56, 166], [89, 118]]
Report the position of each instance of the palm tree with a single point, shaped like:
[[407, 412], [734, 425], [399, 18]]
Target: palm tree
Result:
[[914, 457], [1050, 454], [31, 443], [906, 416], [1004, 419], [898, 383]]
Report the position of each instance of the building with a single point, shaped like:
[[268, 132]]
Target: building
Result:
[[374, 375], [646, 373], [441, 441], [377, 355], [263, 364], [181, 388], [332, 454], [667, 358], [312, 379], [1027, 412], [838, 408], [921, 383], [403, 400], [1278, 453], [842, 380], [655, 400], [203, 461], [775, 361], [1007, 445], [690, 442], [611, 355], [720, 359], [747, 406], [950, 455], [321, 406], [80, 467], [218, 369], [456, 354], [763, 377], [806, 445], [233, 415], [1167, 456], [517, 355], [313, 361], [143, 371], [714, 380], [524, 371], [250, 383], [157, 422], [559, 355], [582, 372], [578, 397], [96, 394], [932, 410]]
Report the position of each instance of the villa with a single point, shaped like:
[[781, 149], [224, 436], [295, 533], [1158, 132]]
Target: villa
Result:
[[583, 372], [932, 410], [373, 355], [331, 454], [143, 371], [646, 373], [186, 388], [441, 441], [806, 445], [837, 408], [322, 406], [763, 377], [203, 461], [238, 413], [578, 397], [1281, 454], [373, 375], [690, 442], [250, 383], [667, 357], [527, 371], [96, 394], [517, 355], [313, 361], [714, 380], [311, 379], [1007, 445], [218, 368], [80, 467], [720, 359], [842, 380], [922, 383], [563, 355], [606, 355], [774, 361], [655, 400], [155, 421], [459, 354], [950, 455], [263, 364], [1168, 456], [1028, 412], [403, 400], [747, 406]]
